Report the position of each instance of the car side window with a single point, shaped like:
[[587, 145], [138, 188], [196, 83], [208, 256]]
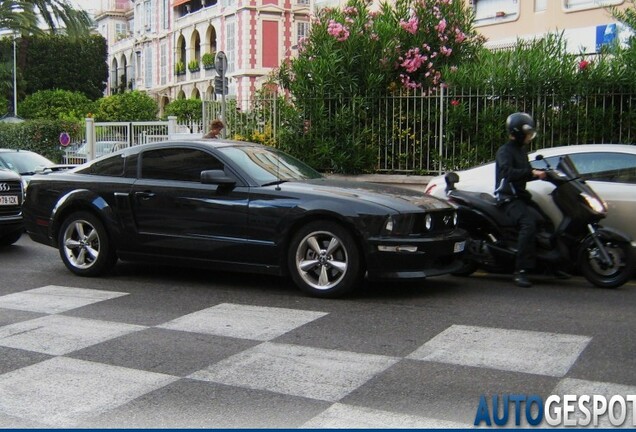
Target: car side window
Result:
[[112, 167], [182, 164], [606, 166]]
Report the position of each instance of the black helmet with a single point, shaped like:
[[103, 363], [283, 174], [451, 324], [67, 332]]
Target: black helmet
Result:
[[520, 125]]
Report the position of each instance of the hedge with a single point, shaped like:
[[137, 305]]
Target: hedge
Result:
[[40, 136]]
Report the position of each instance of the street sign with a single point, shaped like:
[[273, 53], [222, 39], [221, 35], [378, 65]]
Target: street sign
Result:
[[65, 139], [221, 85], [220, 63]]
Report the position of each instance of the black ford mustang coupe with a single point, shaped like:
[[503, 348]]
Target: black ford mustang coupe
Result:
[[242, 207]]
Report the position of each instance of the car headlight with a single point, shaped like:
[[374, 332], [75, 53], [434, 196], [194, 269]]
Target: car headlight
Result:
[[595, 204], [389, 224]]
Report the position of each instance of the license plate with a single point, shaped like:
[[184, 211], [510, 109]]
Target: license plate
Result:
[[459, 247], [8, 200]]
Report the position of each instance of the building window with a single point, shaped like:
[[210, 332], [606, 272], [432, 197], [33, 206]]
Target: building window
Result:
[[540, 5], [166, 14], [302, 29], [163, 62], [495, 11], [148, 65], [303, 2], [148, 15], [230, 45], [589, 4]]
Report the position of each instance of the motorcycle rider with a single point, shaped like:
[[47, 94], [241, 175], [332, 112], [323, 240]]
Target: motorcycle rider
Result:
[[513, 170]]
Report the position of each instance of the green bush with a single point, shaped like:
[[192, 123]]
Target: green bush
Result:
[[128, 106], [56, 105], [186, 110], [40, 136]]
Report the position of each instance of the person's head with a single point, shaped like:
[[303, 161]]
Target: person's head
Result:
[[520, 127], [216, 125]]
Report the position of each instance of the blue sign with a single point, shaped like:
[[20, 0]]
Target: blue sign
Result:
[[606, 35]]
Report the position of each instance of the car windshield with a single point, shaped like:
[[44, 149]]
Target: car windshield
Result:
[[24, 162], [269, 166]]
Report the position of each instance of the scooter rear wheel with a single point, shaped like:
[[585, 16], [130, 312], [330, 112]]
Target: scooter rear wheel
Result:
[[614, 275]]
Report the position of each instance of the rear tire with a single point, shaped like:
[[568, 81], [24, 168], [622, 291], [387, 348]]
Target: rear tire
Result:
[[324, 260], [84, 245], [618, 273]]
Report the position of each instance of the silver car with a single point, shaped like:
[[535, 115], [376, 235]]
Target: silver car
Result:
[[610, 169]]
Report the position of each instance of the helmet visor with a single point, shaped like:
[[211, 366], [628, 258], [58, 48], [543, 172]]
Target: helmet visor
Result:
[[529, 132]]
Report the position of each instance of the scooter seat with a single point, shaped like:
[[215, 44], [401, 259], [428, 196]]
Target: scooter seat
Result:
[[485, 203]]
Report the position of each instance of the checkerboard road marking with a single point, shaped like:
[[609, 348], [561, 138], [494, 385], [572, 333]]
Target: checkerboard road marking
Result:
[[58, 334], [62, 392], [530, 352], [244, 322], [571, 386], [314, 373], [53, 299], [341, 416]]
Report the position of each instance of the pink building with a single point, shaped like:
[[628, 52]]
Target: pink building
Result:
[[160, 46]]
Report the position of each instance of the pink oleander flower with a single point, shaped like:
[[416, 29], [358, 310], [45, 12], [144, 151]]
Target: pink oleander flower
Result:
[[460, 36], [337, 30], [583, 64], [350, 10], [413, 60], [453, 69], [441, 26], [410, 25], [446, 51], [455, 102]]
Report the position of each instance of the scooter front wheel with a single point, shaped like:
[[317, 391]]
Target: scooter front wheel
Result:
[[617, 272]]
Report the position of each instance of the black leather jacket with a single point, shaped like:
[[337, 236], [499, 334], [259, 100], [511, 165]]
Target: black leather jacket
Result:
[[512, 172]]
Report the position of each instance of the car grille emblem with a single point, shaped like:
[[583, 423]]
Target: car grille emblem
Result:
[[447, 219], [4, 187]]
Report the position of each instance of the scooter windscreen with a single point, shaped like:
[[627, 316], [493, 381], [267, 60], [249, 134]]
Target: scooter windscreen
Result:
[[567, 167]]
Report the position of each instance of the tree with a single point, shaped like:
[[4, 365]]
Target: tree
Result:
[[129, 106], [354, 54], [56, 105], [60, 62], [186, 110], [353, 51], [76, 22]]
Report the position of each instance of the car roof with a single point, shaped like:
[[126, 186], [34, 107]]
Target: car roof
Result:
[[7, 150], [210, 142], [584, 148]]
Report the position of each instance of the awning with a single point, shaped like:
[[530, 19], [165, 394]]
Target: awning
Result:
[[176, 3]]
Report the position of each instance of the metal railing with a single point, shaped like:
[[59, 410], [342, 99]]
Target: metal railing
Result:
[[428, 134]]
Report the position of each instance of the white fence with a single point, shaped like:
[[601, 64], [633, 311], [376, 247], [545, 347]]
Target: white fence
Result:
[[106, 137]]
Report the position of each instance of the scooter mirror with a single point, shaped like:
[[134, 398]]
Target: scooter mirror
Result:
[[451, 178]]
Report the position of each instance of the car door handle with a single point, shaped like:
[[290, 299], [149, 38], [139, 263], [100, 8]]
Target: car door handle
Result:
[[144, 195]]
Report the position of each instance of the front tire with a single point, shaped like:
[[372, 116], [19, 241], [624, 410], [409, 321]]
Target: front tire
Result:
[[84, 245], [324, 260], [9, 239], [614, 275]]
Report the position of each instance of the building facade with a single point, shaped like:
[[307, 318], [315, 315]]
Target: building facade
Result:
[[585, 24], [164, 47]]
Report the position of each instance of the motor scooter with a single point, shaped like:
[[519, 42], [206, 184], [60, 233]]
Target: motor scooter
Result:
[[577, 242]]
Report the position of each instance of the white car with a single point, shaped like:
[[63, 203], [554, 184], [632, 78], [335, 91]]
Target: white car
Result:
[[610, 169]]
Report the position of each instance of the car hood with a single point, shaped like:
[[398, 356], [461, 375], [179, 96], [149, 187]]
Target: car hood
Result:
[[396, 198], [8, 175]]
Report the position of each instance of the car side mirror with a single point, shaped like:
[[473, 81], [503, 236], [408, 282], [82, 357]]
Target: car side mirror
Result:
[[217, 177]]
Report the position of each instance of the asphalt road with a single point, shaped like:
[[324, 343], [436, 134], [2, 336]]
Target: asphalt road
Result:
[[151, 346]]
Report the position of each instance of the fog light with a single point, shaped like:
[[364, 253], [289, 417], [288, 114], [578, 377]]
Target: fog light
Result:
[[403, 248], [428, 222]]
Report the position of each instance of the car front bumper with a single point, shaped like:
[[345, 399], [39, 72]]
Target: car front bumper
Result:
[[415, 258]]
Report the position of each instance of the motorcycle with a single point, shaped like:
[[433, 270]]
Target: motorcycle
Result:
[[602, 255]]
